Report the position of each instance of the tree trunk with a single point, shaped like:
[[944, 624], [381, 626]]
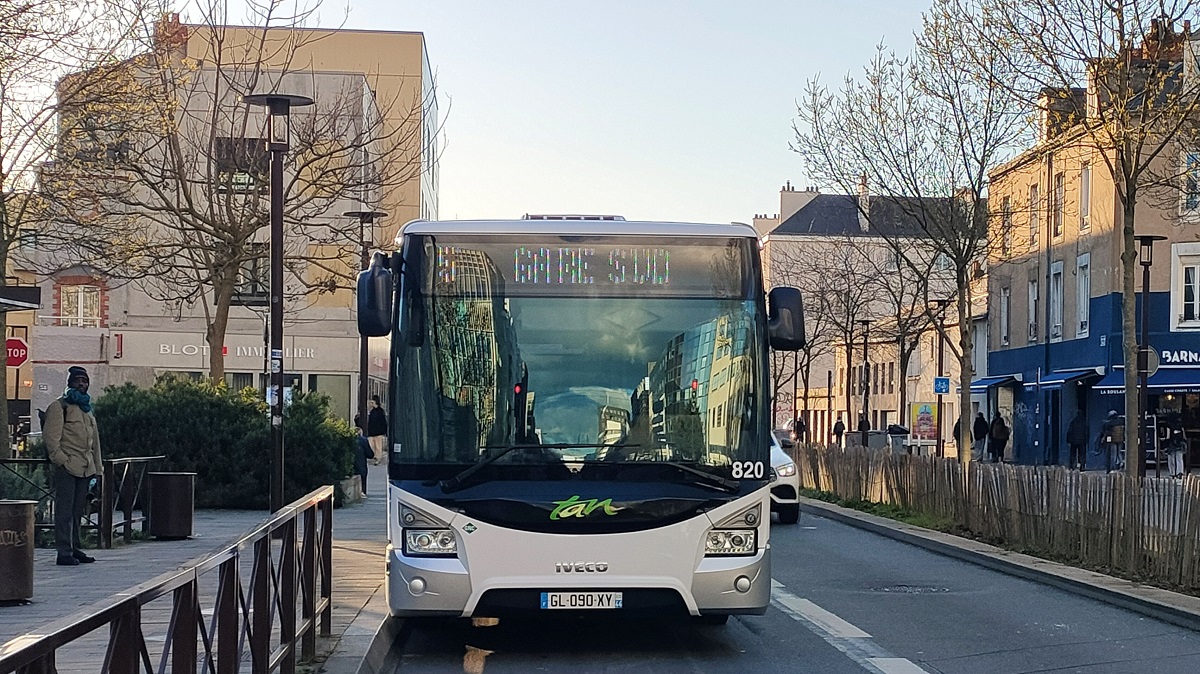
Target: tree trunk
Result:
[[966, 371], [902, 375], [214, 333], [1134, 456]]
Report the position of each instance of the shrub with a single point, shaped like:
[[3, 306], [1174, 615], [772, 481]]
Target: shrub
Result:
[[225, 438]]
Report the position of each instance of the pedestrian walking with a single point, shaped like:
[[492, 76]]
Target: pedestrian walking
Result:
[[1110, 441], [1174, 444], [997, 438], [797, 433], [362, 454], [839, 429], [1077, 441], [979, 433], [73, 446], [377, 430]]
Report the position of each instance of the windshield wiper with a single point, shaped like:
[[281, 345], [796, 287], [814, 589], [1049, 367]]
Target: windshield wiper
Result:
[[458, 481], [722, 483]]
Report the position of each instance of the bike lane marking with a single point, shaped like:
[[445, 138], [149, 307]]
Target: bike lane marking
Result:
[[852, 641]]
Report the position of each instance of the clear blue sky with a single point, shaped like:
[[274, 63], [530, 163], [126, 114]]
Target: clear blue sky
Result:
[[653, 109]]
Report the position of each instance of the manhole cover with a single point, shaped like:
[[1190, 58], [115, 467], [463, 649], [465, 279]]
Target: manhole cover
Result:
[[911, 589]]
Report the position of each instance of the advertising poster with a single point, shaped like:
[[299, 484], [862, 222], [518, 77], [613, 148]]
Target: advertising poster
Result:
[[923, 421]]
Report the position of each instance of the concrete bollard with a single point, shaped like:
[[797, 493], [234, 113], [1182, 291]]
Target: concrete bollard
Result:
[[16, 550]]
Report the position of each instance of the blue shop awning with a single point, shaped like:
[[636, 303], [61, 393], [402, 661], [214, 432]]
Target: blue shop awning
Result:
[[1166, 380], [982, 384], [1058, 378]]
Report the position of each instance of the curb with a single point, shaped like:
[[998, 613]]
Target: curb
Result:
[[366, 645], [1171, 607]]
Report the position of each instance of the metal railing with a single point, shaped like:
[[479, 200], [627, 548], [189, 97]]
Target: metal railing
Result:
[[121, 491], [266, 626]]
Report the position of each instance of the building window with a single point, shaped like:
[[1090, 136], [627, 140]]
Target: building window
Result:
[[253, 282], [942, 262], [1005, 227], [1005, 293], [1083, 294], [892, 377], [1191, 188], [1035, 206], [1085, 197], [1185, 286], [27, 239], [1056, 216], [79, 306], [1033, 311], [1056, 300], [1191, 293], [241, 164]]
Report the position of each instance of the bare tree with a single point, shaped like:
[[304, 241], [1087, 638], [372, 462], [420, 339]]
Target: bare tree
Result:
[[180, 208], [922, 131], [41, 41], [1139, 103]]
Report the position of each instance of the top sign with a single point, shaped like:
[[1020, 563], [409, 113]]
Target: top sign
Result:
[[18, 351], [941, 385]]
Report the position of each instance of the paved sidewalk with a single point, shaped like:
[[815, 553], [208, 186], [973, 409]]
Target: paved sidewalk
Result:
[[359, 535]]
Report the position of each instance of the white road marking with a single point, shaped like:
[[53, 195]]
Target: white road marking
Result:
[[896, 666], [855, 643]]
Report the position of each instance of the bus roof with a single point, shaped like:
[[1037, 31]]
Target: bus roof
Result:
[[574, 227]]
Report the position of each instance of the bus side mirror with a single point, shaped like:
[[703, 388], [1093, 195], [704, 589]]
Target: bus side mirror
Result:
[[375, 298], [785, 319]]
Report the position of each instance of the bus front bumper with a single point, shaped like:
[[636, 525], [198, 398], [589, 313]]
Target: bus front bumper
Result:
[[442, 587]]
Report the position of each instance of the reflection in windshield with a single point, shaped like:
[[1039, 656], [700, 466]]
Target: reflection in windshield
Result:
[[668, 378]]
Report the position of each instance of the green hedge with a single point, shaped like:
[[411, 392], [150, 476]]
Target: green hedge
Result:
[[224, 437]]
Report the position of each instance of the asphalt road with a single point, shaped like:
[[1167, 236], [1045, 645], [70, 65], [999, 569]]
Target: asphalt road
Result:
[[844, 601]]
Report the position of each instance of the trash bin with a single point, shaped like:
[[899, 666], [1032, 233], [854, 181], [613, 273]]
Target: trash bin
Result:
[[16, 550], [897, 437], [172, 504]]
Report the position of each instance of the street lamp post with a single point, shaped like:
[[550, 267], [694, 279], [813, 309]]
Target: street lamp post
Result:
[[941, 359], [365, 219], [866, 382], [278, 136], [1137, 463]]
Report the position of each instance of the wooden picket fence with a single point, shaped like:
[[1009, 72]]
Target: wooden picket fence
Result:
[[1146, 528]]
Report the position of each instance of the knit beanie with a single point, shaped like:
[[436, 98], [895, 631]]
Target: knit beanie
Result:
[[76, 371]]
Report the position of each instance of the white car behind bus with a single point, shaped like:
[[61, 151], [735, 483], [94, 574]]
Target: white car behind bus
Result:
[[785, 491]]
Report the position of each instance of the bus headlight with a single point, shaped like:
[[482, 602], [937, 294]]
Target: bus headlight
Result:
[[786, 470], [730, 542], [430, 543]]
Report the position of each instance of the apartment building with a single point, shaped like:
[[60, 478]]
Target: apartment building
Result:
[[845, 253], [1055, 283], [124, 331]]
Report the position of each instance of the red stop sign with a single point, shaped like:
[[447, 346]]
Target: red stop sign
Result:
[[18, 351]]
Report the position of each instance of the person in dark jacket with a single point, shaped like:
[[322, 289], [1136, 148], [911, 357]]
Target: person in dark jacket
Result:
[[997, 438], [979, 433], [377, 430], [73, 446], [362, 454], [839, 429], [1077, 441]]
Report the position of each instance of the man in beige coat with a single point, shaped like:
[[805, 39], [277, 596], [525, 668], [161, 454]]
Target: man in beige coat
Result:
[[73, 446]]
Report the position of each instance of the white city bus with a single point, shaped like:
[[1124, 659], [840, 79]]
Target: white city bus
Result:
[[579, 415]]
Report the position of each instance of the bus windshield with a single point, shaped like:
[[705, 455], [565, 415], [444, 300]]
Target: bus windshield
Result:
[[579, 351]]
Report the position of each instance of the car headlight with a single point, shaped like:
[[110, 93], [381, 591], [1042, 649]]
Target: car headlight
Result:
[[730, 542], [786, 470], [430, 543]]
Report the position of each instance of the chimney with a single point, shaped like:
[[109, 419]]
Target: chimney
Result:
[[792, 200], [864, 205]]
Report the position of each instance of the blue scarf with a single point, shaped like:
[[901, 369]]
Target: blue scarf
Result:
[[74, 397]]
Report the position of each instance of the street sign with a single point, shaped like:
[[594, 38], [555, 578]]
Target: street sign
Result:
[[18, 351], [941, 385]]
